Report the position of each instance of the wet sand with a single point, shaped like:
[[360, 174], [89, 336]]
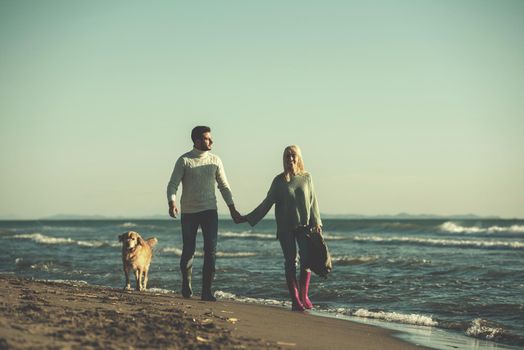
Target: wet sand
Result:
[[53, 315]]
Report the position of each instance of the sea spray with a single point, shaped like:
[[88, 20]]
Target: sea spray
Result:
[[466, 243]]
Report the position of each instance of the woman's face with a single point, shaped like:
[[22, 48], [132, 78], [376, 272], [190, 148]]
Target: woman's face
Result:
[[291, 159]]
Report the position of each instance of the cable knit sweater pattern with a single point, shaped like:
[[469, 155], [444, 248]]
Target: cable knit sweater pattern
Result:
[[198, 171]]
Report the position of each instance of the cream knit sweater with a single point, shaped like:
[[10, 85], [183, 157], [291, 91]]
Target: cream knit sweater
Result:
[[197, 171]]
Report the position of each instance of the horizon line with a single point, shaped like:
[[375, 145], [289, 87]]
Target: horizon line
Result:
[[402, 215]]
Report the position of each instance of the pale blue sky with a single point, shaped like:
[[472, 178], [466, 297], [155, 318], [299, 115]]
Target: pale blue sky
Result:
[[398, 106]]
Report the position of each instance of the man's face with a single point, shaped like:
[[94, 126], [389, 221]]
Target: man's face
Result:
[[204, 144]]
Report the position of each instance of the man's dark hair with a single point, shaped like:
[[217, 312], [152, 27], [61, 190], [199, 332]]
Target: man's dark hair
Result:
[[198, 132]]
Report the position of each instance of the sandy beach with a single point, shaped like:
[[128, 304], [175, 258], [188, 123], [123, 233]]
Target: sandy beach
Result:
[[54, 315]]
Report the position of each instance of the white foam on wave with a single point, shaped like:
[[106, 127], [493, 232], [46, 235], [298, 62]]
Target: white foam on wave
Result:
[[65, 228], [414, 319], [230, 296], [481, 329], [235, 254], [47, 267], [97, 244], [352, 260], [40, 238], [159, 291], [330, 237], [43, 239], [68, 282], [512, 229], [128, 225], [272, 236], [247, 235], [452, 227], [178, 252], [174, 250], [442, 242]]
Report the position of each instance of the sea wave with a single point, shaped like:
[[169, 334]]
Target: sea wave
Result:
[[351, 260], [488, 330], [247, 235], [414, 319], [230, 296], [235, 254], [399, 225], [58, 228], [177, 251], [40, 238], [330, 237], [159, 291], [452, 227], [128, 225], [395, 317], [480, 328], [21, 263], [43, 239], [443, 242], [408, 261], [272, 236], [67, 282], [360, 260]]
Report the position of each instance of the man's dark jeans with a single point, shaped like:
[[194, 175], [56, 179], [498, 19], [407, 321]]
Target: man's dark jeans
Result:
[[208, 221]]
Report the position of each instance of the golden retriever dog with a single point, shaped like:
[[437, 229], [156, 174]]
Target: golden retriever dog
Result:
[[136, 255]]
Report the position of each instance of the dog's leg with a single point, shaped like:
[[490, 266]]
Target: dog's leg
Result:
[[138, 278], [146, 272], [128, 284]]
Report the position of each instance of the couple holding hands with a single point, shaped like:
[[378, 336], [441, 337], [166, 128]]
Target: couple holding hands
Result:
[[292, 192]]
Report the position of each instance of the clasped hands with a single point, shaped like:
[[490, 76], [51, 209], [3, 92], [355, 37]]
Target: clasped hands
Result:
[[236, 216]]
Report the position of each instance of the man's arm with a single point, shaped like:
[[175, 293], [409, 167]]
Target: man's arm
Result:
[[172, 186], [235, 215], [223, 186]]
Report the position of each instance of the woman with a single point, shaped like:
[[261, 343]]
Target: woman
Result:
[[296, 207]]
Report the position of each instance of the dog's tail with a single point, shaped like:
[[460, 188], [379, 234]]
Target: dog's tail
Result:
[[152, 241]]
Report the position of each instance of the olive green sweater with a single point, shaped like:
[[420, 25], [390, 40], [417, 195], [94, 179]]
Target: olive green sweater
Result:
[[295, 204]]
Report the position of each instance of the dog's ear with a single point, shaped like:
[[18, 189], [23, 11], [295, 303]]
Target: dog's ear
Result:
[[141, 241], [121, 237], [152, 241]]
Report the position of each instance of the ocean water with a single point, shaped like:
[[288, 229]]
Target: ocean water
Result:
[[460, 277]]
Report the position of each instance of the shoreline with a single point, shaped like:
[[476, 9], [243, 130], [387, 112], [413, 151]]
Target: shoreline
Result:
[[46, 314]]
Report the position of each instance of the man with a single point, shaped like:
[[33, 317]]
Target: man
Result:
[[198, 170]]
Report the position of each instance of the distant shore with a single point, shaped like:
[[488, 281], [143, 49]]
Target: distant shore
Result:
[[45, 315], [222, 216]]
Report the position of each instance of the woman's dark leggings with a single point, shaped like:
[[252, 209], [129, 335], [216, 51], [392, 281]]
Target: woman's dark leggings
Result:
[[288, 242]]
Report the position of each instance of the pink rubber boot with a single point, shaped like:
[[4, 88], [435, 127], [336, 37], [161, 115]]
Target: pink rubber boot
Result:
[[305, 276], [293, 292]]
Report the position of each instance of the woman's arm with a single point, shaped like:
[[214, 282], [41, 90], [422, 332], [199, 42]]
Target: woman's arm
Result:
[[263, 208]]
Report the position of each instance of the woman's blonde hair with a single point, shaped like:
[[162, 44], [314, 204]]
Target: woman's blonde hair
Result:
[[300, 162]]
